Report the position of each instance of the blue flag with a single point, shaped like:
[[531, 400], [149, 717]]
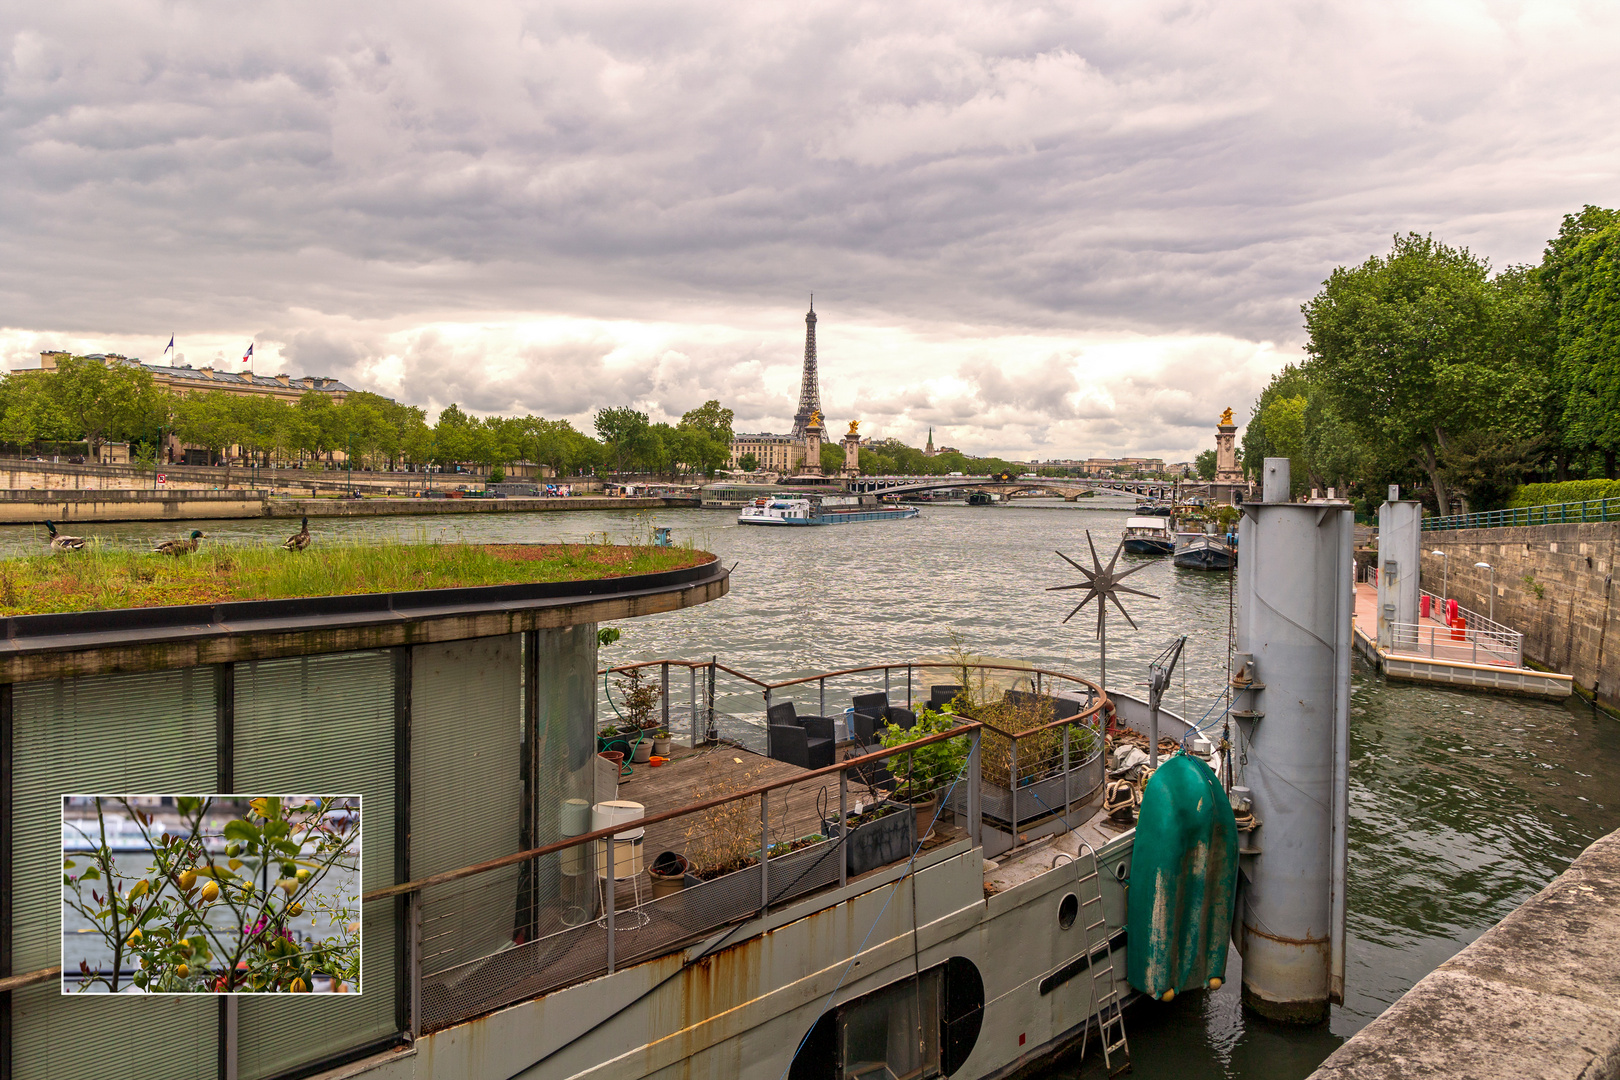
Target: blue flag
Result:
[[170, 345]]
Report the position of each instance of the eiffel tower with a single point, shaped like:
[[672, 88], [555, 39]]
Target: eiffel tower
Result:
[[809, 387]]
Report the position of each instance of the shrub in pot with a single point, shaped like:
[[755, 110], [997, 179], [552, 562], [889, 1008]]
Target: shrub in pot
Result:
[[924, 773], [662, 743]]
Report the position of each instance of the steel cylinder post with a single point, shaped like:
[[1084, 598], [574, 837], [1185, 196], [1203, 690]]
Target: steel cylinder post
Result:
[[1294, 605], [1399, 523]]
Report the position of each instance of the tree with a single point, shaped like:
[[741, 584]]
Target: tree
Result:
[[210, 420], [1204, 463], [102, 401], [1588, 285], [712, 420], [1407, 349], [748, 463], [626, 434], [832, 458]]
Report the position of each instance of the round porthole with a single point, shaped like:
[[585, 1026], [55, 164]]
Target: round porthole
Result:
[[1121, 871], [1067, 910]]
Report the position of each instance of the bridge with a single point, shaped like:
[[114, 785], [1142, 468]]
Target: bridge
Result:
[[1069, 487]]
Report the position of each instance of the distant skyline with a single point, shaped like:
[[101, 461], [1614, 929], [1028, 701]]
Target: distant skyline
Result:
[[1045, 231]]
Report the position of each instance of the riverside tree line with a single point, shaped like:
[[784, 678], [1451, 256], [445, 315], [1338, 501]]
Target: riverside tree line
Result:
[[1425, 367], [88, 401]]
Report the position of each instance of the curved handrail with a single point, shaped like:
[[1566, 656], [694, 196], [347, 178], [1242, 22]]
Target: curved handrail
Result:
[[847, 671]]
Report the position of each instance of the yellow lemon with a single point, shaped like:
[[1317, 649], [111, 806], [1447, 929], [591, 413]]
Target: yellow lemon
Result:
[[210, 892], [295, 910], [303, 874], [134, 938], [188, 878], [182, 971]]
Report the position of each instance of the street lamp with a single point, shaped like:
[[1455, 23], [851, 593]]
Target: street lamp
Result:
[[1487, 566], [1445, 570]]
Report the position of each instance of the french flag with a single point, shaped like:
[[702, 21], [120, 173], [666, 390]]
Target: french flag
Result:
[[247, 357]]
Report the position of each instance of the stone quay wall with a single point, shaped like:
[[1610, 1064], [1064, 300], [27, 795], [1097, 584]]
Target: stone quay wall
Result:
[[1538, 995], [1554, 584]]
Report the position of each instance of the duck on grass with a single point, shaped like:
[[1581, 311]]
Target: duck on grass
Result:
[[100, 578]]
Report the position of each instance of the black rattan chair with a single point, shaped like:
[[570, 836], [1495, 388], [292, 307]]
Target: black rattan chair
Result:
[[806, 741]]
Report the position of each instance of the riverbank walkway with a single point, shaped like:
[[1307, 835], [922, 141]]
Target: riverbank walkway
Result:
[[1536, 995], [1433, 652]]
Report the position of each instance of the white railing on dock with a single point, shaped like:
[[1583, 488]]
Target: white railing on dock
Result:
[[1473, 644]]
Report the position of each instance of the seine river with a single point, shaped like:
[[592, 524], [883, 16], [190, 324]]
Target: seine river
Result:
[[1462, 805]]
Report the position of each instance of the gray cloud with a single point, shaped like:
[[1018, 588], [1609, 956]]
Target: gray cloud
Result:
[[393, 191]]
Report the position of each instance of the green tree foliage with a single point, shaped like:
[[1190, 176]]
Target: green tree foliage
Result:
[[1588, 288], [627, 436], [159, 923], [1417, 347], [211, 420], [748, 463], [1204, 465]]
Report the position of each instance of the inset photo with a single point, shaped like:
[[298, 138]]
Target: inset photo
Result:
[[211, 894]]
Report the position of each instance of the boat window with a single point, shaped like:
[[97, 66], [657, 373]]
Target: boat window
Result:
[[922, 1026], [894, 1033]]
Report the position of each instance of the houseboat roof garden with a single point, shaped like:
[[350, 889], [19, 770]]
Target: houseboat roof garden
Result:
[[101, 579]]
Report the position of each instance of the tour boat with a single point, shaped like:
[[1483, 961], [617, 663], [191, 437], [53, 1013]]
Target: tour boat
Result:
[[1149, 536], [819, 510]]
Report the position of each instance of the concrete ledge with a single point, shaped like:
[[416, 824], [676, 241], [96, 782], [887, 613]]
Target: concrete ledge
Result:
[[1537, 996]]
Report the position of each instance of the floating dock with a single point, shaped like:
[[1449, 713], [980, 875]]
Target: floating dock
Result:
[[1433, 652]]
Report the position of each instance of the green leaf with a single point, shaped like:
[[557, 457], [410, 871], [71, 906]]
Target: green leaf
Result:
[[238, 829], [92, 874]]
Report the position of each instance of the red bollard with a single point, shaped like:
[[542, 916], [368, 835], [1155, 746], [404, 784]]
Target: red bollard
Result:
[[1423, 605]]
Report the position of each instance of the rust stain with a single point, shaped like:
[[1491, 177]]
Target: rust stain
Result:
[[1300, 942]]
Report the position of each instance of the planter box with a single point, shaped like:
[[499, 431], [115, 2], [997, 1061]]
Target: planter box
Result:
[[889, 839], [1036, 800], [735, 896]]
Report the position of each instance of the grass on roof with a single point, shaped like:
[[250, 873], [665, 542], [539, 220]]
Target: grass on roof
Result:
[[100, 578]]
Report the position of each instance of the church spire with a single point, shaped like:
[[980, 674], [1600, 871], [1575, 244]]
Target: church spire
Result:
[[809, 386]]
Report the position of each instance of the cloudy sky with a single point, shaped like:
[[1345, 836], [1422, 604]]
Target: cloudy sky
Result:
[[1044, 230]]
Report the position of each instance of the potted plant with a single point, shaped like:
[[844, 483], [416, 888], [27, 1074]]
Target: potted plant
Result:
[[662, 743], [641, 747], [640, 697], [925, 772], [668, 873]]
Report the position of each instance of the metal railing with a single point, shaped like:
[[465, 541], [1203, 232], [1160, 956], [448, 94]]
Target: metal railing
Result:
[[587, 905], [1554, 514], [1476, 646]]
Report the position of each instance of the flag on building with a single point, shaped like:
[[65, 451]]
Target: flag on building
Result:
[[248, 356], [170, 345]]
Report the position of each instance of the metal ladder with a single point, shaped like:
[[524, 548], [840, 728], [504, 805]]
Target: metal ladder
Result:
[[1105, 994]]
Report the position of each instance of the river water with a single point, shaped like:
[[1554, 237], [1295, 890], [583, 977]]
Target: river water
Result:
[[1462, 805]]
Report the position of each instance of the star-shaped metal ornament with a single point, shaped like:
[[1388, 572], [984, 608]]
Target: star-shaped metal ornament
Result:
[[1102, 585]]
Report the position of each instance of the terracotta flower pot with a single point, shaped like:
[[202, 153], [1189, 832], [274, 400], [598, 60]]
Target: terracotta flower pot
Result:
[[615, 756]]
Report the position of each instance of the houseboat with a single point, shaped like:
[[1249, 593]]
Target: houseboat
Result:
[[1149, 536]]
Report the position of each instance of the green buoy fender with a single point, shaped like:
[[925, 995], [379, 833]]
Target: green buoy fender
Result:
[[1184, 864]]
